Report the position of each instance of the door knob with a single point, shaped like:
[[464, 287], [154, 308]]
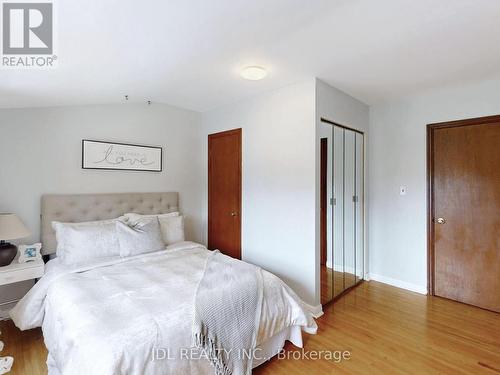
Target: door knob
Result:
[[441, 220], [234, 213]]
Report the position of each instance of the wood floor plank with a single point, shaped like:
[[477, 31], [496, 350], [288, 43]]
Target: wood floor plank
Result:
[[386, 330]]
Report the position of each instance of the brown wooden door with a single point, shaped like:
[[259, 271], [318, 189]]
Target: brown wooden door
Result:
[[465, 224], [224, 192]]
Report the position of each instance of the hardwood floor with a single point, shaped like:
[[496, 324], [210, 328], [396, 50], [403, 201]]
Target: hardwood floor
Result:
[[392, 331], [385, 329], [26, 347]]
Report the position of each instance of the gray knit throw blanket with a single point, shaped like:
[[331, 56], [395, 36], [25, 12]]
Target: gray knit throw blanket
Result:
[[228, 304]]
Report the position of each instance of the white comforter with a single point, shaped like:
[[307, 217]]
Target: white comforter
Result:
[[109, 317]]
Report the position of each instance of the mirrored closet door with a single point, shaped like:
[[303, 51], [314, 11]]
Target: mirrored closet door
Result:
[[341, 209]]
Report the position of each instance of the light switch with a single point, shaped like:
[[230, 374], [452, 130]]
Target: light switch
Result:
[[402, 190]]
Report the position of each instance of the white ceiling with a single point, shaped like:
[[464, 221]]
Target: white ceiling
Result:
[[188, 52]]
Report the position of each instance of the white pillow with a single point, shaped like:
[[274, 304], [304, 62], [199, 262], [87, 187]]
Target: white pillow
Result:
[[79, 243], [171, 224], [172, 229], [132, 217], [143, 237]]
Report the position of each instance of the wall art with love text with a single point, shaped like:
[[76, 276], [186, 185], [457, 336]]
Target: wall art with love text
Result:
[[121, 156]]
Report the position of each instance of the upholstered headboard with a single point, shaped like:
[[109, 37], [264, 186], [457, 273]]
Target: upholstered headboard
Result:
[[91, 207]]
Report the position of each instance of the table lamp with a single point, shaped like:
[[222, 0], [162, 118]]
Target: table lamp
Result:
[[11, 228]]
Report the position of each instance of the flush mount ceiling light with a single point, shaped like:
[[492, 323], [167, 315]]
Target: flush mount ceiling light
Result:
[[253, 73]]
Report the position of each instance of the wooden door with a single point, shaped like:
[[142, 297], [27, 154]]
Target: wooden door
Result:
[[323, 199], [224, 192], [465, 211]]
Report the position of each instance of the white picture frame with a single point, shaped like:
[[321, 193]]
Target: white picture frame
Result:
[[29, 253], [121, 156]]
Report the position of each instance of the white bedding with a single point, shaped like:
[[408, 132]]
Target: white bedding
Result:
[[108, 317]]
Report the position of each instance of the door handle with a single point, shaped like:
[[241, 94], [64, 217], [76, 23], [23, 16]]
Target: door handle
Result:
[[234, 213], [441, 220]]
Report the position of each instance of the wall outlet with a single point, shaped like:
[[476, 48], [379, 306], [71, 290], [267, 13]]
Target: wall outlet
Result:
[[402, 190]]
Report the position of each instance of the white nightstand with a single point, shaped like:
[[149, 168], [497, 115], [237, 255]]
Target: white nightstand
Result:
[[16, 271]]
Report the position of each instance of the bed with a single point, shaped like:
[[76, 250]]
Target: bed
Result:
[[135, 314]]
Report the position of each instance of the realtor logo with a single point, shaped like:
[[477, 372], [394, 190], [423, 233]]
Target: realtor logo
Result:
[[27, 35]]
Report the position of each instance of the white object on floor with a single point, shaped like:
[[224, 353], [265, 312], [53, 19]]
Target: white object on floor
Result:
[[6, 364]]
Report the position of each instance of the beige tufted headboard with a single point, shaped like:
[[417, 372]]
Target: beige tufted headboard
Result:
[[91, 207]]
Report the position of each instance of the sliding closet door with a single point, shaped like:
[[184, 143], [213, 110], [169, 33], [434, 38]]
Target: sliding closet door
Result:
[[338, 211], [359, 210], [349, 208], [341, 206]]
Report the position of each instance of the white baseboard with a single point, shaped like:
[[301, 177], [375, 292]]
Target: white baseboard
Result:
[[398, 283]]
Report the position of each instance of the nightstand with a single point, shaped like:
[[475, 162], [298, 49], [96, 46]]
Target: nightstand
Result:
[[16, 271]]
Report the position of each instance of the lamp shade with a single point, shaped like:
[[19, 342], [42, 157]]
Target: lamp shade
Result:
[[12, 228]]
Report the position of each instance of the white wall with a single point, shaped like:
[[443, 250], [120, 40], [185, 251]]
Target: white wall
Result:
[[397, 154], [278, 218], [336, 106], [41, 153]]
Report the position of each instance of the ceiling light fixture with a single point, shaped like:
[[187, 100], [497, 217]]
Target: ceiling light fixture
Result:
[[253, 73]]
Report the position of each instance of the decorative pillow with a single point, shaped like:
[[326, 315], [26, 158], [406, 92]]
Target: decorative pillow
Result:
[[132, 217], [171, 224], [29, 253], [172, 229], [83, 242], [142, 237]]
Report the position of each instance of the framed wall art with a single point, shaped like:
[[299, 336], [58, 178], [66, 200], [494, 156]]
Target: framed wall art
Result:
[[121, 156]]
